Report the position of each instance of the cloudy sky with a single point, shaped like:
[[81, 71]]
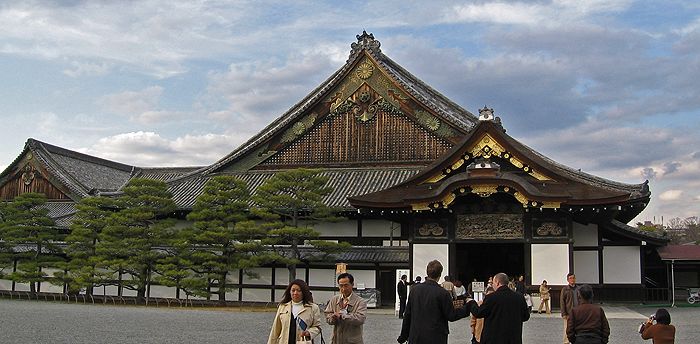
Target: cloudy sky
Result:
[[607, 86]]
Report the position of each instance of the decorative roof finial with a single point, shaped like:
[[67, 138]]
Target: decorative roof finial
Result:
[[365, 41], [486, 114]]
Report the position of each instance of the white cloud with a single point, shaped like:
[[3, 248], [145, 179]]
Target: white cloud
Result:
[[79, 69], [139, 106], [146, 149], [671, 195], [558, 12]]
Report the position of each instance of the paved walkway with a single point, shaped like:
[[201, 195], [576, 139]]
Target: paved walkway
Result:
[[54, 322]]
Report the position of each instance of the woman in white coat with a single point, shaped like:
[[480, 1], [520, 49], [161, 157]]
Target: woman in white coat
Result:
[[298, 318]]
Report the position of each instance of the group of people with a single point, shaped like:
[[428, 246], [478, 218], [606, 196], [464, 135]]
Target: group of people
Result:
[[498, 318]]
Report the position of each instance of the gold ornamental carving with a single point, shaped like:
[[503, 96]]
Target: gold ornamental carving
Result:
[[489, 226], [549, 229], [484, 190], [28, 175], [431, 229], [364, 70]]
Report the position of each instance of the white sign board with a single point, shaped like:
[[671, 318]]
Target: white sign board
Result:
[[478, 287]]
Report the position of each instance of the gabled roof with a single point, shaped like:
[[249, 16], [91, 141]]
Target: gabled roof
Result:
[[489, 161], [680, 252], [366, 47]]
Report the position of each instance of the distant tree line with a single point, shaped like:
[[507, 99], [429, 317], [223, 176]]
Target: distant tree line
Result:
[[131, 240]]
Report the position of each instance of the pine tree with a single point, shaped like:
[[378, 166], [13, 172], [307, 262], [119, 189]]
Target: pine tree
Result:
[[31, 236], [92, 217], [226, 239], [130, 242], [290, 202]]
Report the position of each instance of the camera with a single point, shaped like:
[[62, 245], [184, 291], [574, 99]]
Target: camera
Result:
[[652, 317]]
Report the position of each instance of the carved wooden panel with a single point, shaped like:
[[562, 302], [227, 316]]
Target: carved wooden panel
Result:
[[27, 180], [490, 226], [350, 138], [430, 228], [548, 228]]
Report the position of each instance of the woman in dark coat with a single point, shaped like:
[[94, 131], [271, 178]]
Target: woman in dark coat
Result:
[[662, 332], [587, 322]]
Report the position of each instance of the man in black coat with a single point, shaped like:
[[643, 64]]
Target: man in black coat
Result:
[[402, 290], [428, 310], [504, 312]]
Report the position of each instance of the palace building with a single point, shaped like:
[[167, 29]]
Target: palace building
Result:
[[418, 178]]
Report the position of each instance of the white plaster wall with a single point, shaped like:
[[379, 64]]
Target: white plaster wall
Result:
[[424, 253], [258, 295], [321, 278], [264, 276], [47, 287], [380, 228], [586, 267], [163, 291], [368, 277], [395, 242], [585, 235], [343, 228], [5, 284], [279, 293], [550, 262], [282, 275], [232, 277], [232, 295], [322, 297], [21, 287], [621, 265]]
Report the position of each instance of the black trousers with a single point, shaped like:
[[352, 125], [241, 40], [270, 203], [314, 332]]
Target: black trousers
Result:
[[402, 307]]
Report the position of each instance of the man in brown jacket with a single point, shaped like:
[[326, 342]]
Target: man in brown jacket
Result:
[[346, 312], [568, 299]]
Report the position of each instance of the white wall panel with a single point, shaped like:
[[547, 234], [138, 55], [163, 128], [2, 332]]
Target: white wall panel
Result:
[[21, 287], [5, 284], [233, 277], [232, 295], [257, 295], [380, 228], [586, 267], [163, 291], [322, 297], [264, 277], [343, 228], [550, 262], [282, 275], [585, 235], [424, 253], [368, 277], [621, 265], [322, 278], [47, 287]]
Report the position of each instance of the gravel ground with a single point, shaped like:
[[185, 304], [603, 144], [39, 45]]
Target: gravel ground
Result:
[[53, 322]]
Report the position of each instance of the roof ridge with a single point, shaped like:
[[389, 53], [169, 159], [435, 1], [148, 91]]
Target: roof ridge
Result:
[[81, 156]]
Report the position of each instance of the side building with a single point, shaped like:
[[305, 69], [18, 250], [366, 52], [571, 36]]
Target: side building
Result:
[[417, 177]]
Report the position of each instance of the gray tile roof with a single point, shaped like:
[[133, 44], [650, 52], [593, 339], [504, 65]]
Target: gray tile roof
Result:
[[165, 173], [363, 254], [345, 183]]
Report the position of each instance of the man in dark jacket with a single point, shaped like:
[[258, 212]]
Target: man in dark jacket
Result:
[[428, 310], [402, 290], [504, 312]]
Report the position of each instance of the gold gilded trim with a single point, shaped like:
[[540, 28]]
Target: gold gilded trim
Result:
[[551, 205], [521, 198], [484, 190], [421, 206], [448, 199]]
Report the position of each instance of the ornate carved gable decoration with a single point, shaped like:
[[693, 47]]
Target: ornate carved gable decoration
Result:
[[489, 226], [487, 146], [430, 228], [484, 190], [29, 178], [366, 119]]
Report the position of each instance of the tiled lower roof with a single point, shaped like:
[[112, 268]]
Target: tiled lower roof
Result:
[[364, 254], [345, 183]]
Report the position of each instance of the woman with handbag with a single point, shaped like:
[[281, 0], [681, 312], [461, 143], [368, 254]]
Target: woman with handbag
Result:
[[298, 318]]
